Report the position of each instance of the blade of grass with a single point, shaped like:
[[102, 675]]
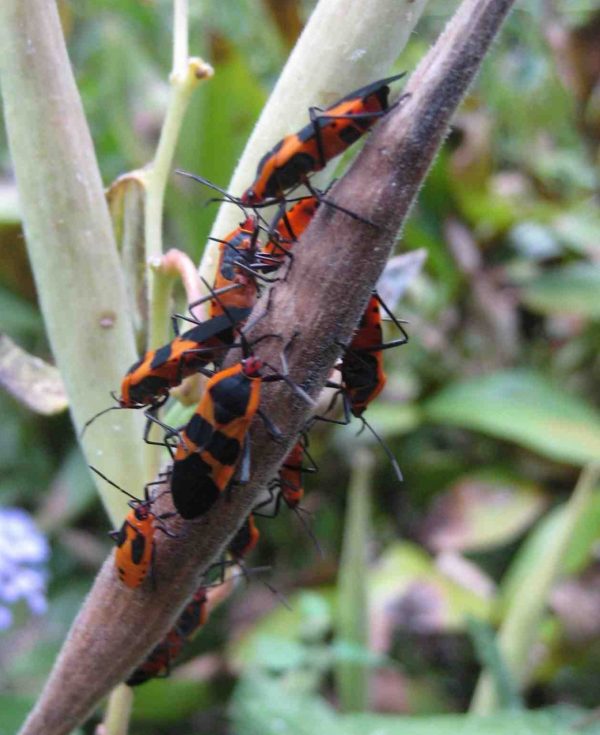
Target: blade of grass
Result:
[[519, 628], [489, 655], [352, 679]]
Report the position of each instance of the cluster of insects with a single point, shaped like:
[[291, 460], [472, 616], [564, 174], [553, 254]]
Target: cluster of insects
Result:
[[211, 453]]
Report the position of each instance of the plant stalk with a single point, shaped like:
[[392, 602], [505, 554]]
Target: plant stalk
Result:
[[352, 630], [69, 237]]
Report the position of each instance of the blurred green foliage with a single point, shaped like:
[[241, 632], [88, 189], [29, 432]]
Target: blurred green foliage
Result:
[[491, 409]]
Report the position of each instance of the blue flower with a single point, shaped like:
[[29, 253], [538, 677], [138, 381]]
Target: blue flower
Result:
[[23, 553]]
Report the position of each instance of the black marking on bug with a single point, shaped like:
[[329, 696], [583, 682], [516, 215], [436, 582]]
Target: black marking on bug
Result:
[[194, 491], [230, 398]]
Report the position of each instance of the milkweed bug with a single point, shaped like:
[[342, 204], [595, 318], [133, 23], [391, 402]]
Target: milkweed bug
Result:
[[329, 133], [151, 378], [245, 540], [135, 551], [213, 442], [287, 229], [148, 381], [210, 446], [159, 661], [235, 283], [361, 368], [288, 486], [194, 615]]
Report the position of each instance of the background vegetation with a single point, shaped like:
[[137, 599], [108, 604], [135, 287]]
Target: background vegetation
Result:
[[491, 409]]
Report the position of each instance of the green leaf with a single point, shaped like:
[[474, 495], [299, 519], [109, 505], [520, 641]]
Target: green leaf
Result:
[[406, 572], [571, 289], [535, 570], [481, 511], [490, 657], [506, 723], [540, 543], [578, 226], [262, 706], [524, 407], [161, 701], [309, 617]]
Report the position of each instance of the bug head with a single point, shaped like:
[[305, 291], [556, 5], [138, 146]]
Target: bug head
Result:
[[249, 198], [252, 366], [141, 509]]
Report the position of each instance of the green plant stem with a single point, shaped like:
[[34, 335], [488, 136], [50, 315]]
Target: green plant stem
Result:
[[352, 677], [183, 83], [185, 76], [118, 711], [180, 35], [519, 629], [69, 237], [322, 67]]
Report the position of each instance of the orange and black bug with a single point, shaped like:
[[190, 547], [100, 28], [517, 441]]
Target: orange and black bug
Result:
[[235, 282], [329, 133], [211, 444], [287, 229], [361, 368], [194, 615], [148, 381], [134, 554], [159, 661], [288, 486], [235, 285], [245, 540]]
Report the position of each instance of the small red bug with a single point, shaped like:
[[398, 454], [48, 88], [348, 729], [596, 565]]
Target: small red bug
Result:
[[159, 661], [148, 381], [361, 367], [287, 230], [288, 486], [245, 540], [135, 550]]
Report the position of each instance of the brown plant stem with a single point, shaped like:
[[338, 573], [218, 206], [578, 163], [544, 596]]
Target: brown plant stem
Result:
[[334, 269]]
